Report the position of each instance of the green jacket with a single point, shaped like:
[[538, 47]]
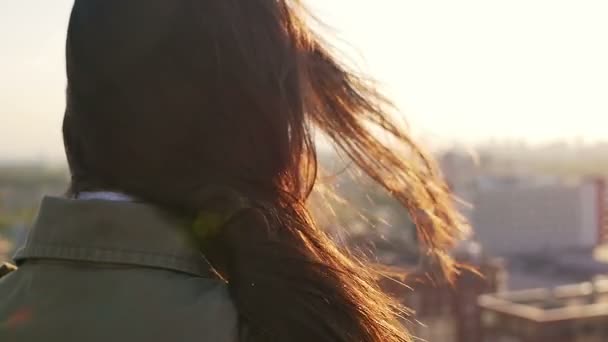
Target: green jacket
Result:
[[104, 271]]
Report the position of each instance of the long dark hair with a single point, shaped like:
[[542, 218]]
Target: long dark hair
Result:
[[209, 106]]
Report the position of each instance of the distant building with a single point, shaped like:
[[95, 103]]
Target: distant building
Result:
[[6, 247], [533, 217], [602, 198], [574, 313], [517, 212], [461, 172], [556, 268]]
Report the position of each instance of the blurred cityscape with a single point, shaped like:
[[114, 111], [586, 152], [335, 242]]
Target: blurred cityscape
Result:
[[540, 219]]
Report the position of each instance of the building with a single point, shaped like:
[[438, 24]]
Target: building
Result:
[[518, 212], [6, 248], [446, 312], [530, 216], [461, 172], [573, 313], [556, 268], [602, 199]]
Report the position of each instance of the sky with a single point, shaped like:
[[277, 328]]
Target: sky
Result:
[[464, 71]]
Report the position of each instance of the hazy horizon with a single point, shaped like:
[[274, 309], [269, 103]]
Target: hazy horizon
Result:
[[460, 71]]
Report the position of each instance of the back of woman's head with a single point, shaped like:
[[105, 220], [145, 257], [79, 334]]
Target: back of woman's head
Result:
[[208, 106]]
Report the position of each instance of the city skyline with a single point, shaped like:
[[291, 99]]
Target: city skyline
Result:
[[464, 71]]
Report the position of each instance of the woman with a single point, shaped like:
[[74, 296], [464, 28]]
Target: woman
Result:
[[189, 135]]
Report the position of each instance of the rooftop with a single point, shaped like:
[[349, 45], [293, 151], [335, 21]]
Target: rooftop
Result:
[[585, 300]]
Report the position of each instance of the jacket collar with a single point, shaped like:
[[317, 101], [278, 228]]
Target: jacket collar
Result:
[[101, 231]]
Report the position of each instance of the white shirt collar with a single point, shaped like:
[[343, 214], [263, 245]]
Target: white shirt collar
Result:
[[105, 196]]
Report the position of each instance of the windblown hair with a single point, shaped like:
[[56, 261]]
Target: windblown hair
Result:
[[211, 106]]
